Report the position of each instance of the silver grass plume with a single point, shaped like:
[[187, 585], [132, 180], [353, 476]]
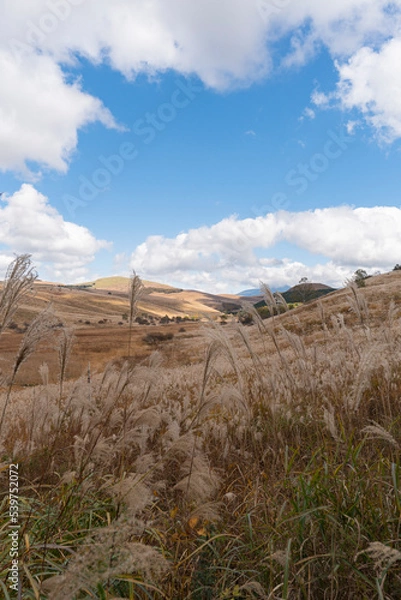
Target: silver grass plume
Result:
[[273, 300], [17, 284], [384, 556], [268, 296], [132, 491], [376, 431], [64, 348], [134, 294], [36, 332], [107, 553], [358, 304]]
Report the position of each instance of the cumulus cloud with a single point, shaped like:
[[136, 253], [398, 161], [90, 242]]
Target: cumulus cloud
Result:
[[223, 257], [363, 38], [217, 41], [40, 113], [29, 224], [371, 82], [221, 42], [277, 274], [225, 43], [343, 26]]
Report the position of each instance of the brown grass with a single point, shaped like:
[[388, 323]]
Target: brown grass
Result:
[[101, 344], [261, 462], [70, 305]]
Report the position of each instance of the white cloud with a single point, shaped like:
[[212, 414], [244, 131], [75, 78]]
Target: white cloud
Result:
[[309, 113], [218, 41], [363, 38], [40, 113], [29, 224], [342, 26], [351, 126], [367, 237], [235, 278], [371, 82], [222, 257], [320, 99], [224, 43], [5, 261]]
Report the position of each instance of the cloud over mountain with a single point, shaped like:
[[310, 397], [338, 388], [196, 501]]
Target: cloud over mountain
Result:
[[227, 251]]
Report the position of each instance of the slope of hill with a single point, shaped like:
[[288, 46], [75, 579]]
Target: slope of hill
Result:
[[297, 293], [108, 299], [121, 284], [303, 292]]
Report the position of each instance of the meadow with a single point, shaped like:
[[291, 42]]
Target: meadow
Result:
[[233, 462]]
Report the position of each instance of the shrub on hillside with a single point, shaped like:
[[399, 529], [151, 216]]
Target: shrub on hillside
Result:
[[245, 317], [157, 337], [141, 320]]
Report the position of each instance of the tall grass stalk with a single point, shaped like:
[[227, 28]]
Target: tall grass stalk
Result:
[[17, 284], [134, 294]]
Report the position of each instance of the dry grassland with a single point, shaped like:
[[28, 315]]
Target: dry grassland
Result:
[[245, 463]]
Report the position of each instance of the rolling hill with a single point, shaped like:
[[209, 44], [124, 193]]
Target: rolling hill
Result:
[[304, 292], [107, 298]]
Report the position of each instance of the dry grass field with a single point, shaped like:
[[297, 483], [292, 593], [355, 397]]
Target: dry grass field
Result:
[[96, 346], [233, 462], [100, 331]]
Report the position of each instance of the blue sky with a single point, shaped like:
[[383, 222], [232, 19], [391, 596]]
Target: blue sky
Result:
[[205, 146]]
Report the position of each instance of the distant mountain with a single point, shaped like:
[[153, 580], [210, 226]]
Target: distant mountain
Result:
[[252, 292], [258, 292]]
